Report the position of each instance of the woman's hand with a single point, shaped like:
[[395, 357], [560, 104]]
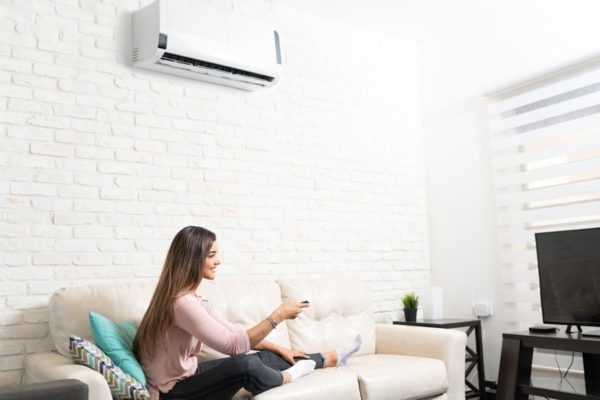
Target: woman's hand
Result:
[[289, 354], [288, 310]]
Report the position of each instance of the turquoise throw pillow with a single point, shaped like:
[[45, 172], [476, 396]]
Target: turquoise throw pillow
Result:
[[116, 340], [122, 386]]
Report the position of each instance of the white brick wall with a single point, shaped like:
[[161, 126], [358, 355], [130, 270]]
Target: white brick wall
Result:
[[102, 164]]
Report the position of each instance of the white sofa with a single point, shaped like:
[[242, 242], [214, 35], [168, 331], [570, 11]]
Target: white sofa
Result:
[[395, 361]]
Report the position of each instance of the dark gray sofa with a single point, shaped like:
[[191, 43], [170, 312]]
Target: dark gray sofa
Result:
[[71, 389]]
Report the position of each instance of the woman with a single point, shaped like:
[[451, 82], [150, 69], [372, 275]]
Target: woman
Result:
[[177, 322]]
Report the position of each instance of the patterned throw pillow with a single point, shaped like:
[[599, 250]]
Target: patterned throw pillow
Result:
[[122, 386]]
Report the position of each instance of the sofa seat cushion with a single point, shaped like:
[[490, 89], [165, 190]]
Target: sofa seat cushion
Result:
[[384, 376], [244, 304], [322, 384], [337, 313]]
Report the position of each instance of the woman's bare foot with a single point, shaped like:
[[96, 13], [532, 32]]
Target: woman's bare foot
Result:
[[331, 358], [287, 378]]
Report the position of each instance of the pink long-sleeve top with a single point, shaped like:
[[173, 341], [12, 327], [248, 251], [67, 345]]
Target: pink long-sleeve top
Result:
[[194, 323]]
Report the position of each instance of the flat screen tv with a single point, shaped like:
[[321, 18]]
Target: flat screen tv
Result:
[[569, 270]]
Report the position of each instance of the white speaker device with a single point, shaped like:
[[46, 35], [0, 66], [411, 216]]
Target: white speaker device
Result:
[[482, 309]]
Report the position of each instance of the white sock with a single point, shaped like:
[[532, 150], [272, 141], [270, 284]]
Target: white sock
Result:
[[345, 352], [301, 368]]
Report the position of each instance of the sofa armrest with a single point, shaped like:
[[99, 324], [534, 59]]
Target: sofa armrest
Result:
[[51, 366], [71, 389], [447, 345]]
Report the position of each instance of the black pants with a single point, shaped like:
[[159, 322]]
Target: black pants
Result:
[[221, 379]]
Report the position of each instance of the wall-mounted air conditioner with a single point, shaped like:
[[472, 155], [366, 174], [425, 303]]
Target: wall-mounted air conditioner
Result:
[[201, 44]]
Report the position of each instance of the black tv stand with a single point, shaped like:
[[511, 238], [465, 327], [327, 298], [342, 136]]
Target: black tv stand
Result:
[[595, 333], [514, 378], [569, 328]]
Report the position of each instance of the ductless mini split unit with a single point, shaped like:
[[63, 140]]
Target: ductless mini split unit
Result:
[[197, 43]]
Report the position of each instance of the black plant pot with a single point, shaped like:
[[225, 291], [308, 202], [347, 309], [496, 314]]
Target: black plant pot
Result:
[[410, 314]]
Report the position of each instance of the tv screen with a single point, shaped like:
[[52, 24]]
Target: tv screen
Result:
[[569, 271]]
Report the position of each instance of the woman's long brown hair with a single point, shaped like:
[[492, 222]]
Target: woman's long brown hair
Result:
[[182, 272]]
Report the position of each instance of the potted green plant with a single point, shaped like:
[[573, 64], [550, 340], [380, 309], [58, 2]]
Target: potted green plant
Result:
[[410, 301]]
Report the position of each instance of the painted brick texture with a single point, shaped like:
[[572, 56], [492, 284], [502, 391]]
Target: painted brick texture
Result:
[[101, 164]]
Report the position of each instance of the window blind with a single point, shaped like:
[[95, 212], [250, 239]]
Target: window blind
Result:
[[546, 160]]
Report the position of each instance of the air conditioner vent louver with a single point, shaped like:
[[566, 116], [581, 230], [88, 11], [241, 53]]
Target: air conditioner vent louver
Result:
[[136, 54], [208, 65]]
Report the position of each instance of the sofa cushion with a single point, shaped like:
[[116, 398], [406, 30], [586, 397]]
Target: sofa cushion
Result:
[[385, 376], [337, 313], [244, 304], [122, 386], [322, 384], [69, 309], [116, 340]]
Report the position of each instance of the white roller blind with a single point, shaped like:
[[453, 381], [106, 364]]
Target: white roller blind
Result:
[[546, 159]]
